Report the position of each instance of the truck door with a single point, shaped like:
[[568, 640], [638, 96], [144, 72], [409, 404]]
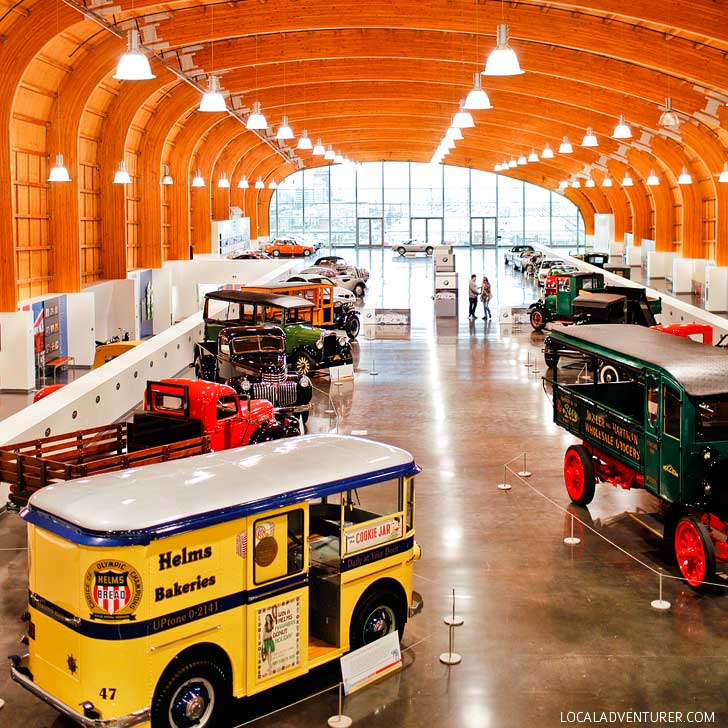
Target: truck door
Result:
[[230, 427], [653, 434], [670, 451], [277, 611]]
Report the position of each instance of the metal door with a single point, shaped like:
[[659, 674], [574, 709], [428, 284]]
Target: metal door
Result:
[[370, 232], [670, 451], [427, 229], [483, 232], [653, 434]]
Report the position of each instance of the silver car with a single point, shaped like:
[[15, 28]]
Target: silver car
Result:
[[341, 266], [413, 246], [345, 280]]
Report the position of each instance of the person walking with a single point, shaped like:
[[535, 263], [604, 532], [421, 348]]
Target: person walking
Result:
[[473, 296], [486, 294]]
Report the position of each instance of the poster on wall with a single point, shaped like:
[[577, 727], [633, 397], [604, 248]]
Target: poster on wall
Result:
[[146, 304], [279, 637], [38, 334]]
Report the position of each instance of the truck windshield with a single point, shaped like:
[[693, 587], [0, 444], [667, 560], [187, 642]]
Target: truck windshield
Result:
[[252, 344], [712, 418]]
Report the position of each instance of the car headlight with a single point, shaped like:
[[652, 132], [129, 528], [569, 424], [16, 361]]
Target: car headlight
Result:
[[343, 341], [245, 385], [320, 344], [305, 381]]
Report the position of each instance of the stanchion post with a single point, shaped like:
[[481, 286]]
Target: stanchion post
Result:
[[504, 485], [450, 657], [454, 620], [528, 360], [572, 540], [660, 603], [339, 720], [373, 371], [525, 473]]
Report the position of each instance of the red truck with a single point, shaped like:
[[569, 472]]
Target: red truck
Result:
[[181, 417]]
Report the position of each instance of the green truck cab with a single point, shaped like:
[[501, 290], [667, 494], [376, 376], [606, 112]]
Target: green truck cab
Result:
[[308, 347], [662, 427], [583, 297]]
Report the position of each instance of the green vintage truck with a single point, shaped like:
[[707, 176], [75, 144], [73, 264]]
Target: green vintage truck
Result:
[[584, 298], [662, 427], [308, 347]]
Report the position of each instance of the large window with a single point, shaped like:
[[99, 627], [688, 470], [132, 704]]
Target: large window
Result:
[[400, 200]]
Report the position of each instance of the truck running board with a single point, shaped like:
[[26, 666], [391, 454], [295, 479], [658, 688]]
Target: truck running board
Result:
[[651, 521]]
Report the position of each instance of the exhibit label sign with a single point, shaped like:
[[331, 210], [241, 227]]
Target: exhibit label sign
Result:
[[371, 662]]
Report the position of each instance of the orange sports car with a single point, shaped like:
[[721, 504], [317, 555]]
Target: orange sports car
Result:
[[287, 246]]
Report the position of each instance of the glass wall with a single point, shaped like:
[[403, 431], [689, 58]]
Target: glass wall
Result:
[[378, 203]]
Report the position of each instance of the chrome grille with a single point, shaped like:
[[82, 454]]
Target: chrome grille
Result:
[[274, 377], [282, 395]]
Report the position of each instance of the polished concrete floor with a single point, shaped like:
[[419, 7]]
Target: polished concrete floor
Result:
[[549, 629]]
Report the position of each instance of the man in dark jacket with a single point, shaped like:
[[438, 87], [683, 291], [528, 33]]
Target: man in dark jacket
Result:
[[472, 296]]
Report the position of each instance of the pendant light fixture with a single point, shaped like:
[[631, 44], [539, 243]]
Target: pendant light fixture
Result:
[[533, 156], [502, 60], [684, 178], [622, 130], [259, 184], [454, 133], [512, 163], [198, 181], [723, 177], [319, 150], [256, 120], [122, 176], [338, 159], [212, 100], [522, 160], [243, 184], [627, 181], [607, 181], [589, 139], [330, 154], [565, 147], [272, 185], [547, 153], [447, 143], [653, 180], [575, 184], [504, 165], [463, 119], [563, 184], [589, 182], [304, 141], [223, 181], [284, 131], [133, 65], [58, 172], [477, 98], [496, 167], [669, 118], [167, 177]]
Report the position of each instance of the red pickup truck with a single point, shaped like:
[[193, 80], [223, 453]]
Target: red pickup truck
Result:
[[180, 418]]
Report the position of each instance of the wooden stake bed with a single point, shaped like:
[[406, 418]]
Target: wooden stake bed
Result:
[[28, 466]]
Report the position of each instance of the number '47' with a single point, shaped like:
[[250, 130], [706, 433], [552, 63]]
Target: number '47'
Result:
[[108, 693]]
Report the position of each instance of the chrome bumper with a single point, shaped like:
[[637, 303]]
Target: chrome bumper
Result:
[[125, 721], [417, 604]]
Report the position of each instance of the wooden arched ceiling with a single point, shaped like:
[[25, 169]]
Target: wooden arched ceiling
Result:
[[377, 80]]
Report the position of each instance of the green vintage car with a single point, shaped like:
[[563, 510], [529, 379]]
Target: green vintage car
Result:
[[663, 426], [308, 348]]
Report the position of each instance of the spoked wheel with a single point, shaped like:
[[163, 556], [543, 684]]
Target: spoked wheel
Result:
[[195, 696], [353, 325], [694, 551], [303, 364], [401, 251], [538, 319], [579, 475]]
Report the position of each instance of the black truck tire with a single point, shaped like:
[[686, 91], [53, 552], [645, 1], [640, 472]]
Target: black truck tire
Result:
[[268, 432], [205, 367], [353, 326], [377, 614]]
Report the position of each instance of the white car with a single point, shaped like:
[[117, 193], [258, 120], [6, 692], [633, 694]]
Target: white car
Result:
[[341, 266], [341, 294], [544, 269], [345, 280], [413, 246]]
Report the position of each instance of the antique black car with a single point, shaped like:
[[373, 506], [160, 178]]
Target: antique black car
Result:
[[252, 360]]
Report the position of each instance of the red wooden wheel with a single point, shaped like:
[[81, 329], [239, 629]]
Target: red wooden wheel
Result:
[[694, 551], [579, 475]]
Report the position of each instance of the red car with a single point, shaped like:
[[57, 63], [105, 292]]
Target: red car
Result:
[[288, 246]]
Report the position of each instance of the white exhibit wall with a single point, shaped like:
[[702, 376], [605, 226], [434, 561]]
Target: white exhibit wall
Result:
[[17, 356], [162, 284], [603, 232], [81, 323], [114, 308]]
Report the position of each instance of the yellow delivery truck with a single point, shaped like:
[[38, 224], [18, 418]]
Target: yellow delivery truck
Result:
[[158, 594]]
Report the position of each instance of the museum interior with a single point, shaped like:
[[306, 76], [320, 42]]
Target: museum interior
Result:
[[363, 363]]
